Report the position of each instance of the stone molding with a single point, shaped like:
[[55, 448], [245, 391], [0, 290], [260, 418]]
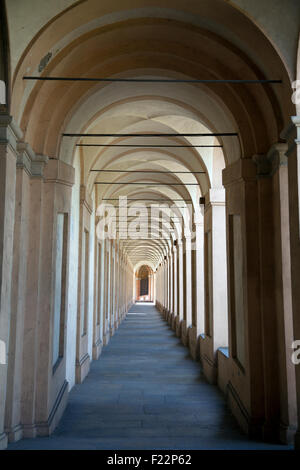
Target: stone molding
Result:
[[213, 197], [27, 160], [86, 199], [59, 172], [243, 170], [10, 132], [292, 134], [277, 156]]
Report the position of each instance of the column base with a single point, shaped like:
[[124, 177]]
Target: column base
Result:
[[14, 434], [97, 349], [184, 333], [82, 368], [46, 428], [106, 338], [193, 341], [3, 441], [170, 318], [173, 322], [165, 314], [297, 440], [112, 330], [29, 431], [251, 426], [178, 326], [210, 370]]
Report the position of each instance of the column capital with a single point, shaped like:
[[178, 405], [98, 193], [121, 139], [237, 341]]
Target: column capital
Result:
[[243, 170], [263, 165], [277, 156], [291, 133], [27, 159], [215, 197], [10, 132]]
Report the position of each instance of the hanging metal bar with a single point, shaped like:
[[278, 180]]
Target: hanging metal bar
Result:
[[149, 80], [148, 146], [144, 183], [150, 171], [139, 199], [194, 134]]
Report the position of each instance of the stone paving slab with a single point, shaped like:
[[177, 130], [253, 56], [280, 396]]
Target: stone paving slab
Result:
[[145, 392]]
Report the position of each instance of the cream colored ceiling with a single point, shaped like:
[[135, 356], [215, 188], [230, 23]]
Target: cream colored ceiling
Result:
[[152, 39]]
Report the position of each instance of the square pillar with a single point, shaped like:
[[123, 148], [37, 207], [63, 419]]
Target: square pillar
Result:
[[82, 356], [245, 387], [216, 314], [9, 135], [292, 135], [197, 263], [187, 289]]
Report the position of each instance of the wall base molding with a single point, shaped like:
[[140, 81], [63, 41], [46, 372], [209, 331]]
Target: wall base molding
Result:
[[210, 369], [14, 434], [251, 426], [106, 338], [82, 368], [3, 441], [97, 349], [184, 333], [46, 428], [29, 431], [178, 326], [194, 341]]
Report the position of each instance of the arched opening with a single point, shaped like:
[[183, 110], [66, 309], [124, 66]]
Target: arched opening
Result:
[[144, 291]]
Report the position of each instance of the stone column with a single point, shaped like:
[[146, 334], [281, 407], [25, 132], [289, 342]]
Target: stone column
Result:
[[292, 135], [82, 355], [283, 289], [180, 282], [117, 319], [245, 382], [170, 288], [187, 289], [9, 134], [216, 328], [112, 290], [31, 309], [197, 262], [174, 286], [97, 343], [28, 166]]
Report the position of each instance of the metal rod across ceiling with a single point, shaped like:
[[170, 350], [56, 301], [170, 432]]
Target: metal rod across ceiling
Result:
[[148, 146], [151, 171], [149, 80], [189, 134]]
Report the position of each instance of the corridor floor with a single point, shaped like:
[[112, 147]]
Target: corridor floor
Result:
[[145, 392]]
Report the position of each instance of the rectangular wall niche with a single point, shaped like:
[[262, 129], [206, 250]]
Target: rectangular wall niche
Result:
[[84, 282], [236, 287], [208, 282], [60, 286]]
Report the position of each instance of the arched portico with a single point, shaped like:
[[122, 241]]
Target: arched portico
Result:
[[146, 207]]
